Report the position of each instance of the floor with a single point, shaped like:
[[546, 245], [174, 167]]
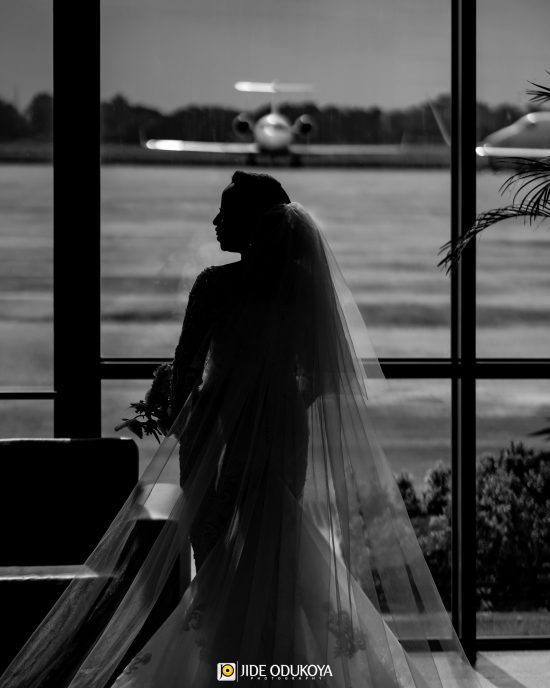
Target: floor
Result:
[[530, 669]]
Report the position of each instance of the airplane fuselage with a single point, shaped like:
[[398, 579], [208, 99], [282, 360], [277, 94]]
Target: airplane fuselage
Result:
[[528, 137], [273, 133]]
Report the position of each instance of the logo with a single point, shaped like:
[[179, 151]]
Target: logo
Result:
[[227, 671], [230, 671]]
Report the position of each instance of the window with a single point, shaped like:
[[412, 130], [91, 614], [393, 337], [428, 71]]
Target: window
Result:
[[123, 268], [513, 395], [168, 71], [513, 478], [26, 221]]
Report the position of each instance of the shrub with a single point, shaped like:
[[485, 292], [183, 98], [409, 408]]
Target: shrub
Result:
[[512, 525], [437, 489], [513, 529]]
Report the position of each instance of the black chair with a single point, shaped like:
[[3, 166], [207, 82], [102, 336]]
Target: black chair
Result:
[[47, 479], [59, 496]]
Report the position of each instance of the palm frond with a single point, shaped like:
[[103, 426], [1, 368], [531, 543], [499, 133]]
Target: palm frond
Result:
[[453, 249], [539, 94], [532, 181], [530, 189], [543, 431]]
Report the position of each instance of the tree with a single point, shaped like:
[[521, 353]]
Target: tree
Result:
[[12, 124], [512, 509], [437, 491], [407, 489], [39, 115], [124, 123], [513, 529]]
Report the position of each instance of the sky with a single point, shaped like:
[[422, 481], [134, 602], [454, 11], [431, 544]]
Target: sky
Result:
[[390, 53]]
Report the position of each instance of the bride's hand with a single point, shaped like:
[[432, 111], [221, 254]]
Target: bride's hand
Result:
[[304, 387]]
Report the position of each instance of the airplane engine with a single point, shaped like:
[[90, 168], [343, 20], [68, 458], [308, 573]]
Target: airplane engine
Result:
[[243, 126], [304, 126]]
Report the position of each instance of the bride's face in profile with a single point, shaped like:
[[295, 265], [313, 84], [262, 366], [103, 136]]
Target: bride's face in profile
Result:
[[231, 223]]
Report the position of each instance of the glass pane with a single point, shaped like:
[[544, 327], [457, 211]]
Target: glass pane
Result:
[[381, 193], [513, 284], [512, 274], [21, 418], [26, 195], [413, 424], [513, 527]]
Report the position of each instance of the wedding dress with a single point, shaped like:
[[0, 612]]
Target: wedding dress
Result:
[[308, 569]]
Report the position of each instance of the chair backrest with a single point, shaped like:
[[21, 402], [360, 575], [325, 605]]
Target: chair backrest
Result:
[[60, 495]]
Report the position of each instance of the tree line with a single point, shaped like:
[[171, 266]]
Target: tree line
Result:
[[126, 123]]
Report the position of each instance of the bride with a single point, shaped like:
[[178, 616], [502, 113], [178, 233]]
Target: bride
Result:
[[308, 571]]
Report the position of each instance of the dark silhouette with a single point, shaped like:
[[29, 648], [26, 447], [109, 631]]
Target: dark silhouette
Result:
[[216, 289]]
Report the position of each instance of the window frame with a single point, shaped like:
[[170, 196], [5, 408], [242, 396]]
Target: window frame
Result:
[[79, 368]]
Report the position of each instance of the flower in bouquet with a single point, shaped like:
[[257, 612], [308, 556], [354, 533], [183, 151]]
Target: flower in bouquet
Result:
[[153, 414]]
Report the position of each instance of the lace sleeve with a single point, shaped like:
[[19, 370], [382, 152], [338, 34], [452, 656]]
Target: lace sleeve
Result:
[[194, 340]]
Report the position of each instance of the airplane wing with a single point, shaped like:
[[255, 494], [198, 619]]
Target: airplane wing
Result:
[[346, 149], [345, 153], [488, 151], [299, 149], [200, 146]]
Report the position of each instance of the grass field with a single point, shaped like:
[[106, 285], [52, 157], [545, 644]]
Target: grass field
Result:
[[385, 228]]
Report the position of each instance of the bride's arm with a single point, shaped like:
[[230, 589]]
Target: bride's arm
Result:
[[303, 363], [193, 343]]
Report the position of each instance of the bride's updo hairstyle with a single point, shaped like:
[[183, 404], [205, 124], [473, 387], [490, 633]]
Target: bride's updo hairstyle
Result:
[[271, 212], [280, 238], [261, 191]]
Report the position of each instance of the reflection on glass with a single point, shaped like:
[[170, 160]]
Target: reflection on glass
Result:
[[26, 418], [513, 287], [513, 527], [381, 193], [412, 422]]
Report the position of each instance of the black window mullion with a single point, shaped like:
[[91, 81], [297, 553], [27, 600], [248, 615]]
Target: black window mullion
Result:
[[463, 316], [77, 411], [392, 368], [7, 394]]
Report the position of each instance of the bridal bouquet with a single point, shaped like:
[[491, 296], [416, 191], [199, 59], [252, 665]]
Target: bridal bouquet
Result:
[[152, 413]]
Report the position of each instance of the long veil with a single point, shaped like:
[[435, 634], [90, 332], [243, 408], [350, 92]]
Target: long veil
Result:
[[312, 571]]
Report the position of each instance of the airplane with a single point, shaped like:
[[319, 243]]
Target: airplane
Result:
[[273, 134], [527, 137]]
